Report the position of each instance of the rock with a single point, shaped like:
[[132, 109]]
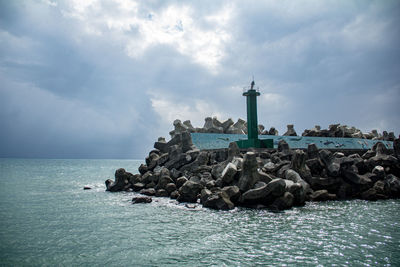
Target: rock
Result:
[[189, 126], [238, 128], [162, 193], [163, 181], [175, 194], [312, 151], [315, 165], [265, 177], [332, 164], [233, 151], [228, 173], [329, 183], [219, 201], [170, 187], [138, 186], [141, 199], [355, 178], [382, 157], [148, 192], [396, 148], [87, 188], [142, 169], [393, 184], [210, 127], [152, 160], [297, 190], [272, 131], [189, 191], [255, 195], [283, 147], [284, 202], [379, 171], [249, 174], [226, 124], [233, 193], [290, 131], [296, 178], [298, 164], [121, 181], [202, 159], [369, 154], [322, 195], [269, 167]]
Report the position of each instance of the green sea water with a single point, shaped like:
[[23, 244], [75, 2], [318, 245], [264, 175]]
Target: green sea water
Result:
[[47, 219]]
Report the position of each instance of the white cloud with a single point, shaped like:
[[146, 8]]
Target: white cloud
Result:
[[175, 25]]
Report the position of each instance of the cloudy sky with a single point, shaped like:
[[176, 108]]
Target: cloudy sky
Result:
[[105, 79]]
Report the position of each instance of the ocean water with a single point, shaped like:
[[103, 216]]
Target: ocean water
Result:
[[47, 219]]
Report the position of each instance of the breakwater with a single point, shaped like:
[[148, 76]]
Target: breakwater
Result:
[[277, 179]]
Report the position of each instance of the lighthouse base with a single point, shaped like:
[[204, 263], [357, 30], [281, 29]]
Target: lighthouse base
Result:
[[256, 143]]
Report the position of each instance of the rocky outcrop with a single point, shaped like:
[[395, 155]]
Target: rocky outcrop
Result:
[[338, 130], [276, 179]]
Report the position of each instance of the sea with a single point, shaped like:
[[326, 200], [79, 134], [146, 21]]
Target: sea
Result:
[[47, 219]]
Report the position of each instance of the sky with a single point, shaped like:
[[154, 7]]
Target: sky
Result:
[[105, 79]]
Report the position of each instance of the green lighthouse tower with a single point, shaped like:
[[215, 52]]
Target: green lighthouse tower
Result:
[[252, 123]]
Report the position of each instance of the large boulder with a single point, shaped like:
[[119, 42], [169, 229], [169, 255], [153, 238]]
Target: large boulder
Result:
[[392, 184], [121, 182], [210, 127], [332, 164], [249, 172], [189, 191], [228, 173], [218, 200], [290, 131], [202, 159], [233, 192], [284, 202], [298, 192], [312, 151], [298, 164], [141, 199], [382, 157], [264, 193], [322, 195]]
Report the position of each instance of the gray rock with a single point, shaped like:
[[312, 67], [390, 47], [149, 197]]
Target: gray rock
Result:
[[284, 202], [170, 187], [189, 191], [141, 199], [332, 164], [396, 148], [162, 193], [329, 183], [202, 159], [290, 131], [312, 151], [219, 201], [298, 164], [228, 173], [315, 165], [322, 195], [148, 192], [226, 124], [355, 178], [393, 185], [297, 190], [379, 171], [174, 195], [138, 186], [249, 174], [163, 181], [121, 181], [265, 177], [233, 193]]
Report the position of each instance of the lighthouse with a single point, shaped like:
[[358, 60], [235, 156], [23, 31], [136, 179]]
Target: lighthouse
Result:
[[252, 123]]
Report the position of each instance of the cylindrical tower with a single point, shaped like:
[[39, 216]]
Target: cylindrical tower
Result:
[[252, 123]]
